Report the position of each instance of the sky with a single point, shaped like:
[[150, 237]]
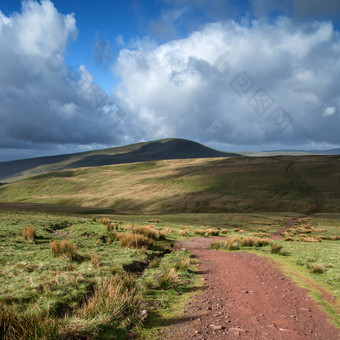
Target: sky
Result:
[[234, 75]]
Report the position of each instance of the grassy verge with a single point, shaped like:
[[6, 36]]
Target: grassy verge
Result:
[[169, 285]]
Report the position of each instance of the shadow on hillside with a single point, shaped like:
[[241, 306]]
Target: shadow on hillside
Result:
[[173, 149]]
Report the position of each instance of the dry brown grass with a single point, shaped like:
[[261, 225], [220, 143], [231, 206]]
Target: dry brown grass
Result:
[[105, 220], [14, 325], [147, 231], [183, 232], [169, 279], [111, 226], [114, 301], [28, 232], [95, 260], [63, 248], [289, 239], [310, 239], [154, 220], [249, 241], [135, 241], [260, 234]]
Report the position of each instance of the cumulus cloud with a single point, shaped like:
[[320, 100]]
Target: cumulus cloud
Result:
[[196, 87], [42, 101]]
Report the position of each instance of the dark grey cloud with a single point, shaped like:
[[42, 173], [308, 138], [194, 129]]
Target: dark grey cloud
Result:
[[42, 101]]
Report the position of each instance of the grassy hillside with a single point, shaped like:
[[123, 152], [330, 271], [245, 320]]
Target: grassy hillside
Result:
[[148, 151], [191, 185]]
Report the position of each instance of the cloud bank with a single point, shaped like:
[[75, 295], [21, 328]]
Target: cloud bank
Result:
[[234, 83], [177, 88]]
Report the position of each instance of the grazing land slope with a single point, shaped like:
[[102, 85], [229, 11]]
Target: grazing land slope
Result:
[[305, 184]]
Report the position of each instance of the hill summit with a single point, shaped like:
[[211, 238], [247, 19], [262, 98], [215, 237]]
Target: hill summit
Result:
[[171, 148]]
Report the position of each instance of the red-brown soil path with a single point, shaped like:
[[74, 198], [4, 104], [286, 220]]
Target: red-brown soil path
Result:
[[245, 297]]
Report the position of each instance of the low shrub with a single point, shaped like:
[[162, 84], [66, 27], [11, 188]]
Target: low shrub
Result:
[[28, 232]]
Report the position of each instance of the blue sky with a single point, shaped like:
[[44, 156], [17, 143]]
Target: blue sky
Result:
[[169, 69]]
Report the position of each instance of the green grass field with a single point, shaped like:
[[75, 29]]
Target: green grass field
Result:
[[190, 186], [60, 291]]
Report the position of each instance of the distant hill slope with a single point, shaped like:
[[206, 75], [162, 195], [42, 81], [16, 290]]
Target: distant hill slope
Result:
[[210, 185], [140, 152]]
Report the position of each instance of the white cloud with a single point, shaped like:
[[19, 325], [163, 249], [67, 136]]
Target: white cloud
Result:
[[329, 111], [173, 88]]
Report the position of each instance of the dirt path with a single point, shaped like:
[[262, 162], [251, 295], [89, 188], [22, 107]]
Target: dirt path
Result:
[[277, 234], [247, 298]]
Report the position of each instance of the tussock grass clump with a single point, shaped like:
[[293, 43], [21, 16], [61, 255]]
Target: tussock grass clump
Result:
[[260, 234], [114, 302], [200, 232], [14, 325], [316, 268], [111, 227], [183, 232], [183, 264], [276, 248], [261, 242], [135, 241], [94, 219], [224, 231], [105, 220], [169, 279], [249, 241], [28, 233], [310, 239], [154, 263], [147, 232], [154, 220], [128, 227], [232, 243], [94, 260], [289, 239], [63, 248]]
